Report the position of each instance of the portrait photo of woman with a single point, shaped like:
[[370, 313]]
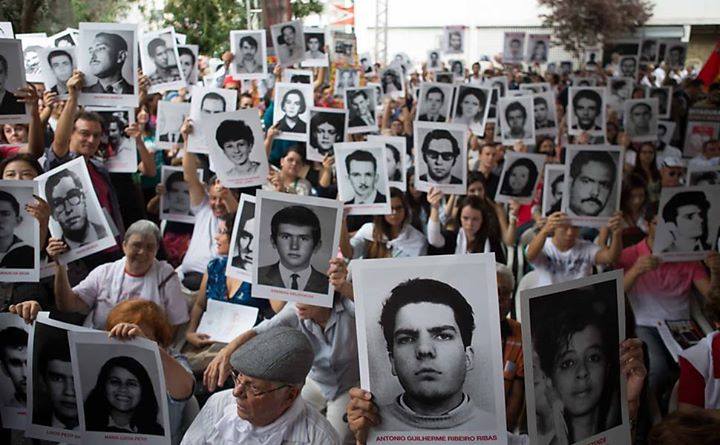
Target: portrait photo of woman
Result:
[[520, 178], [326, 128], [292, 106], [576, 341], [471, 108], [123, 399]]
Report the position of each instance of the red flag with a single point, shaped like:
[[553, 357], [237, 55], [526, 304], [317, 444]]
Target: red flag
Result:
[[711, 69]]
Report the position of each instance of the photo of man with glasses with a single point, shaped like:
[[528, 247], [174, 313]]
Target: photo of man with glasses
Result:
[[440, 151], [64, 193]]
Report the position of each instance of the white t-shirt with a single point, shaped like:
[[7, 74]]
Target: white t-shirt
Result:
[[202, 246], [554, 266], [109, 284], [409, 243]]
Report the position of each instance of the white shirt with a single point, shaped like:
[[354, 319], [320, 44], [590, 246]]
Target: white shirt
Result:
[[202, 247], [702, 161], [554, 266], [302, 279]]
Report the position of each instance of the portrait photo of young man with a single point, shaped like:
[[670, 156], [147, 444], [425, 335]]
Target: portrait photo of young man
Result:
[[13, 362], [592, 181], [161, 53], [10, 58], [586, 111], [362, 171], [108, 54], [62, 64]]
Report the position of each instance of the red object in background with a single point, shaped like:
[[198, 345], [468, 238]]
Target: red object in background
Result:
[[711, 69]]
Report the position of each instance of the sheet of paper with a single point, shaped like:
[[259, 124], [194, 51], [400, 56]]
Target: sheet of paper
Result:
[[225, 321]]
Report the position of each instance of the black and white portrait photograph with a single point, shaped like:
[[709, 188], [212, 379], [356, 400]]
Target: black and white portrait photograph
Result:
[[434, 102], [175, 202], [76, 215], [649, 50], [687, 223], [52, 408], [640, 118], [398, 161], [697, 133], [519, 177], [470, 107], [583, 81], [170, 117], [571, 334], [492, 108], [441, 159], [65, 39], [457, 68], [250, 54], [429, 347], [301, 235], [292, 110], [345, 78], [57, 65], [513, 47], [205, 102], [619, 90], [517, 122], [434, 61], [6, 30], [545, 113], [315, 48], [453, 39], [14, 334], [188, 56], [297, 76], [538, 48], [553, 188], [289, 42], [366, 63], [121, 388], [445, 77], [622, 47], [328, 126], [160, 60], [628, 66], [242, 242], [566, 67], [392, 81], [592, 57], [664, 97], [12, 78], [32, 46], [344, 47], [675, 54], [666, 129], [362, 177], [703, 176], [361, 104], [499, 82], [535, 87], [107, 55], [19, 233], [586, 111], [593, 181], [236, 147], [117, 149]]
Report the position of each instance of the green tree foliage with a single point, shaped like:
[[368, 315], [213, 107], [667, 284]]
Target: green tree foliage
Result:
[[577, 24], [53, 16]]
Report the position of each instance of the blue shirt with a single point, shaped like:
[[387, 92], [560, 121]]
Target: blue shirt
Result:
[[216, 289]]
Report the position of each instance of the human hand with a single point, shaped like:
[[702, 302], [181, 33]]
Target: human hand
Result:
[[362, 413], [615, 222], [160, 189], [56, 247], [337, 272], [227, 57], [187, 128], [29, 96], [713, 262], [75, 83], [27, 310], [328, 162], [144, 82], [633, 368], [133, 131], [554, 220], [646, 264], [126, 331], [217, 371], [40, 210], [198, 340], [434, 197]]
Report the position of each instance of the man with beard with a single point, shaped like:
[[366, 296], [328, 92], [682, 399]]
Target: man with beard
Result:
[[542, 113], [107, 57], [61, 64], [163, 58], [440, 151], [68, 202], [247, 63], [13, 357], [428, 328], [361, 167], [586, 106], [592, 178]]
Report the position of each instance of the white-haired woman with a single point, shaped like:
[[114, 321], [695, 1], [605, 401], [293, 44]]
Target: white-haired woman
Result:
[[138, 275]]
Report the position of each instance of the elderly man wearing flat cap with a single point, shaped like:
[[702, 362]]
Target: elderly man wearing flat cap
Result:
[[265, 406]]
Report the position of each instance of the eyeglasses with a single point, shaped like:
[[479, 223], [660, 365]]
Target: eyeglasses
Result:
[[248, 388], [73, 198], [446, 156]]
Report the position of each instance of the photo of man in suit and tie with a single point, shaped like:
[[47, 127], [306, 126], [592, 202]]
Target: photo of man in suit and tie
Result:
[[295, 234]]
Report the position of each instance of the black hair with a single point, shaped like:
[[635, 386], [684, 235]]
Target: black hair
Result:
[[353, 94], [250, 40], [116, 41], [587, 94], [185, 51], [337, 120], [527, 190], [303, 106], [695, 198], [584, 157], [440, 134], [55, 179], [360, 156], [212, 95], [425, 290], [57, 53], [24, 157], [12, 338], [537, 100], [234, 130], [144, 416], [8, 197], [281, 37], [557, 181], [172, 179], [296, 216], [435, 90], [641, 104], [513, 107], [154, 44], [469, 91]]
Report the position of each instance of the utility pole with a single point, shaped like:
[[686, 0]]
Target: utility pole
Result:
[[381, 31]]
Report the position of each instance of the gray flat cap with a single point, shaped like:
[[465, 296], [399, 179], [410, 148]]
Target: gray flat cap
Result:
[[280, 354]]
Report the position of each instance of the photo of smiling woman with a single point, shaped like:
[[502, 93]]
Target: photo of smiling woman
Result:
[[575, 335], [123, 400]]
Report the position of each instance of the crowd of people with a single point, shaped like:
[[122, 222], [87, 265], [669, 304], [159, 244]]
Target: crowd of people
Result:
[[294, 377]]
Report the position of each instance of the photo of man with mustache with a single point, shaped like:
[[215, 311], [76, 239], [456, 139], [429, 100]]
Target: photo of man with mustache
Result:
[[592, 179], [361, 166], [108, 53]]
